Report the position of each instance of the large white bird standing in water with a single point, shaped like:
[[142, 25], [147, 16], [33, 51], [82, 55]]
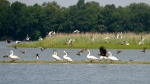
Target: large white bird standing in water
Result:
[[91, 58], [68, 59], [12, 56], [112, 58], [55, 56]]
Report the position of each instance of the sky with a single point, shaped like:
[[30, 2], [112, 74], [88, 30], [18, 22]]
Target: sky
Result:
[[67, 3]]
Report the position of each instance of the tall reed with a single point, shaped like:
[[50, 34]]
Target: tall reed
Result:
[[83, 40]]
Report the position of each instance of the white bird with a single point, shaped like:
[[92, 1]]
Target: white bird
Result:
[[103, 58], [112, 58], [70, 40], [55, 56], [27, 38], [51, 33], [121, 35], [91, 58], [118, 35], [142, 41], [106, 39], [126, 42], [40, 38], [17, 42], [68, 59], [13, 57], [76, 31]]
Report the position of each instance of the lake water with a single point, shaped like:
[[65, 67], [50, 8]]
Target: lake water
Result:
[[74, 74], [13, 73]]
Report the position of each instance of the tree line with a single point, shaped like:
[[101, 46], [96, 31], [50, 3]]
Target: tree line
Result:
[[17, 19]]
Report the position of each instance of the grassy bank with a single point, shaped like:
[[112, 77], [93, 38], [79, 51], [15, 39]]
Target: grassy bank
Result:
[[74, 62], [84, 41]]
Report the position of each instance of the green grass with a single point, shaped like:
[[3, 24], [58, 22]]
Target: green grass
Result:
[[74, 62], [84, 41]]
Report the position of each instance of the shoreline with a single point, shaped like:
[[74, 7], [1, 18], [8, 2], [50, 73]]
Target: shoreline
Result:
[[74, 62]]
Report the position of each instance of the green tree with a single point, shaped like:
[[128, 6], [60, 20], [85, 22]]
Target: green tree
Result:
[[80, 3], [4, 18]]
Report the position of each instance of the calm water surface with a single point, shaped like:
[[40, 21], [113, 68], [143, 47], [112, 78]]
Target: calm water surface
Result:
[[73, 73]]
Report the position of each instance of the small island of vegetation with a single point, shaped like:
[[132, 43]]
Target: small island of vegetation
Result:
[[92, 40]]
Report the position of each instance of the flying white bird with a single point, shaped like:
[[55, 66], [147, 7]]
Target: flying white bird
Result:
[[76, 31], [27, 38], [51, 33], [106, 39], [142, 41], [70, 40]]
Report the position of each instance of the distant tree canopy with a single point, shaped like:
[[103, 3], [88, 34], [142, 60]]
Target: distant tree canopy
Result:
[[17, 19]]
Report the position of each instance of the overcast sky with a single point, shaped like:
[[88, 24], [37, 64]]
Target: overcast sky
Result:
[[67, 3]]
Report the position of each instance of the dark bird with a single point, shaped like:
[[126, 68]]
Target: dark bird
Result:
[[130, 60], [71, 44], [5, 56], [23, 52], [119, 51], [15, 47], [8, 41], [42, 48], [79, 52], [37, 56], [103, 51], [144, 49]]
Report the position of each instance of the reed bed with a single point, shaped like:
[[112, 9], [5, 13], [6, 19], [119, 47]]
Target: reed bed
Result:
[[74, 62], [83, 40]]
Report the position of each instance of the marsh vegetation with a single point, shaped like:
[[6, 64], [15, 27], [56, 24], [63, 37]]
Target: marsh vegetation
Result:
[[85, 40]]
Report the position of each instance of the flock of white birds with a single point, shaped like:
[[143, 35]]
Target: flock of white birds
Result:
[[105, 57]]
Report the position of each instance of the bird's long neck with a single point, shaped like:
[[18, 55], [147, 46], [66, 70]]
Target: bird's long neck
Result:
[[88, 52], [110, 54], [11, 53], [55, 53], [65, 54]]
